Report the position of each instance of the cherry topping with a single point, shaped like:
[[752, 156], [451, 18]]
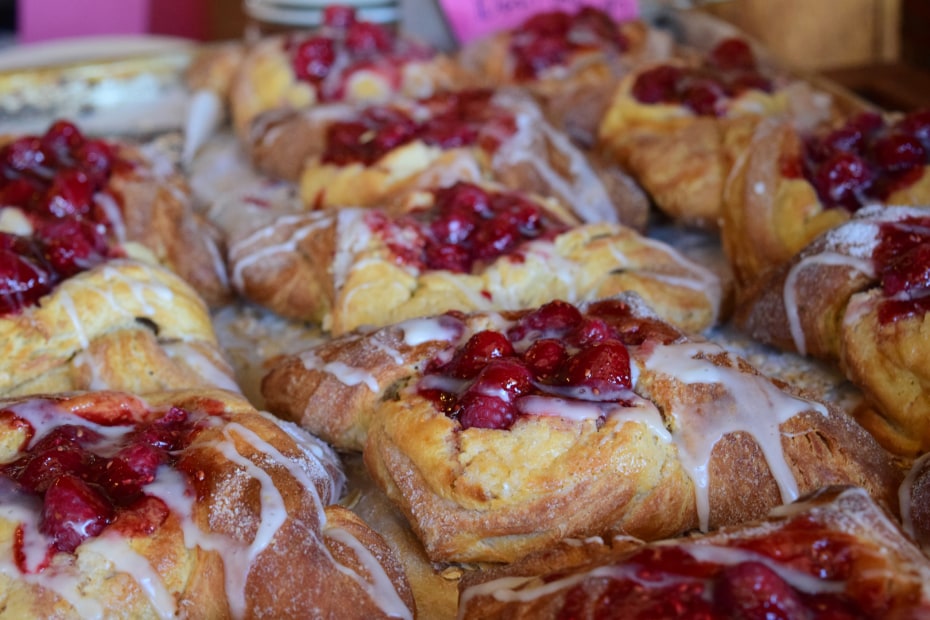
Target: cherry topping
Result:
[[753, 590], [22, 281], [701, 96], [899, 152], [366, 38], [604, 367], [338, 16], [484, 411], [313, 59], [73, 511], [658, 85], [844, 179], [732, 54], [902, 261], [545, 357]]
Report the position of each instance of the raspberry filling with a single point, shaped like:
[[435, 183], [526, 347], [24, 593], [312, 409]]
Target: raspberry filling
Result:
[[449, 120], [467, 226], [91, 475], [902, 260], [773, 576], [728, 70], [865, 160], [548, 39], [52, 179], [549, 357], [344, 46]]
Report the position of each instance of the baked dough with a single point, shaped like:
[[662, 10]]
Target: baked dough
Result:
[[492, 454], [183, 504], [360, 267]]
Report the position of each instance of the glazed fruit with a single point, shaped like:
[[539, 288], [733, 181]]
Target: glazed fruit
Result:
[[554, 350], [729, 70], [865, 160], [549, 39], [902, 260]]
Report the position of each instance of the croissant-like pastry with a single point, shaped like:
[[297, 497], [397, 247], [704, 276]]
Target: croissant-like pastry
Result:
[[857, 296], [790, 187], [182, 504], [128, 192], [462, 247], [498, 435], [344, 60], [834, 554], [679, 127], [349, 156], [569, 61]]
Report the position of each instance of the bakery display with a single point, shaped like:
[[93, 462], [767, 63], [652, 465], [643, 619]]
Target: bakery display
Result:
[[345, 155], [499, 435], [185, 503], [833, 555], [446, 267], [465, 247], [680, 126], [790, 186], [570, 61]]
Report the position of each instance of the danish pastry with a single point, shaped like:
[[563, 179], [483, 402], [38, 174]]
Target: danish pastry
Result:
[[462, 247], [832, 555], [857, 296], [346, 156], [345, 60], [790, 187], [182, 504], [499, 434], [116, 187], [678, 127], [570, 61]]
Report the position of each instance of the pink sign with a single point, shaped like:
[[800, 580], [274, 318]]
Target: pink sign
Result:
[[471, 19]]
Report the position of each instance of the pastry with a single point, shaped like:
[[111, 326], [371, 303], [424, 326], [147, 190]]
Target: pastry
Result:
[[570, 61], [914, 499], [833, 555], [678, 127], [180, 505], [857, 296], [462, 247], [351, 156], [498, 435], [345, 60], [790, 187], [117, 188]]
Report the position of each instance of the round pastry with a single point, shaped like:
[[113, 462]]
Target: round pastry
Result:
[[499, 435], [570, 61], [184, 504], [344, 60], [678, 127], [857, 295], [833, 555], [461, 247], [791, 187], [115, 188], [347, 156]]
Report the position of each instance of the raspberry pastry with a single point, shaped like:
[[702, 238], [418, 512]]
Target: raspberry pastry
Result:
[[499, 434], [345, 60], [570, 61], [858, 296], [346, 156], [678, 127], [460, 247], [790, 187], [186, 504], [116, 189], [833, 555]]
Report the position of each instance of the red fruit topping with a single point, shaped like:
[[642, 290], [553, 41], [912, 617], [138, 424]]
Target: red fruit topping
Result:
[[753, 590], [749, 80], [917, 124], [46, 466], [732, 54], [658, 85], [132, 468], [60, 141], [21, 192], [503, 378], [366, 38], [544, 358], [629, 329], [480, 349], [844, 179], [74, 511], [70, 195], [902, 260], [591, 331], [72, 246], [701, 96], [313, 59], [555, 318], [96, 159], [899, 152], [483, 411], [604, 367], [22, 282], [338, 16]]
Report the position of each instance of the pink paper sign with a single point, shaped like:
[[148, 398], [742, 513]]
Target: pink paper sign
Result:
[[471, 19]]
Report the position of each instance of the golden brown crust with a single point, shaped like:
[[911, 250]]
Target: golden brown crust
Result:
[[880, 566], [257, 492], [490, 495], [122, 325]]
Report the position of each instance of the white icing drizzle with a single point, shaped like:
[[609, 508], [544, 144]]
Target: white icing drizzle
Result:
[[346, 374], [68, 304], [208, 369], [45, 415], [14, 221], [114, 214], [904, 495], [418, 331], [353, 236], [66, 585], [754, 405], [790, 290], [379, 344], [380, 589]]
